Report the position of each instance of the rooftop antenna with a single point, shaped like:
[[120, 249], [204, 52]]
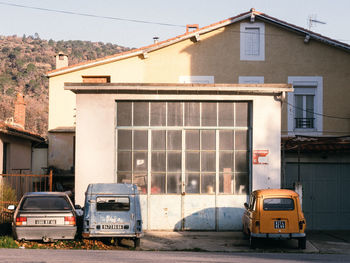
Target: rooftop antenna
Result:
[[312, 21]]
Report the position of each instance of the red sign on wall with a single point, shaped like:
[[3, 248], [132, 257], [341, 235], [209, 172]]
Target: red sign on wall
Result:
[[260, 156]]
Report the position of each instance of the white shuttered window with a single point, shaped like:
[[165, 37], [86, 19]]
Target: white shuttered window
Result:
[[252, 41]]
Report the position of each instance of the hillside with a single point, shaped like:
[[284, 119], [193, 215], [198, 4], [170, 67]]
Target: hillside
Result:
[[24, 62]]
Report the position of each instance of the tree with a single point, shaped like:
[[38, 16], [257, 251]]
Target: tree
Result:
[[10, 91], [12, 58], [5, 50], [31, 67], [17, 49], [19, 63]]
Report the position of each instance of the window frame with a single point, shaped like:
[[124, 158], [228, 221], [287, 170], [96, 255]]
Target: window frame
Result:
[[237, 126], [243, 32], [44, 197], [267, 208], [311, 85], [111, 210]]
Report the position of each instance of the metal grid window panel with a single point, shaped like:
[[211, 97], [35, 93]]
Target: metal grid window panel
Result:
[[216, 173], [132, 161], [228, 176], [198, 172], [170, 155]]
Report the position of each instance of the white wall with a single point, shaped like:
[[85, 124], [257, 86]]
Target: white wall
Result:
[[267, 136], [95, 137]]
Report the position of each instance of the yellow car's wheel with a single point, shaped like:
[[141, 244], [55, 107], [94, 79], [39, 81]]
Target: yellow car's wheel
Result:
[[302, 243], [252, 241]]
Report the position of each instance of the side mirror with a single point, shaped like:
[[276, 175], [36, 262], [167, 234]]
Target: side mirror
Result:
[[11, 207], [77, 207], [246, 206]]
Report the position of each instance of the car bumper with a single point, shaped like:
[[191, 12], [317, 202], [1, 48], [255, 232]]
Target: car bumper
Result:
[[279, 236], [104, 234], [45, 233]]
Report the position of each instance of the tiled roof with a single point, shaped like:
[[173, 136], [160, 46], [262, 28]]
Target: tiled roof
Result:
[[191, 34], [18, 131]]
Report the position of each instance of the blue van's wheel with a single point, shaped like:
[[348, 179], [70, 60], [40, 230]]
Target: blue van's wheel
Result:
[[137, 242]]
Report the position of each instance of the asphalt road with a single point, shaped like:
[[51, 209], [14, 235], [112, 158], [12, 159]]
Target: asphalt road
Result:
[[63, 256]]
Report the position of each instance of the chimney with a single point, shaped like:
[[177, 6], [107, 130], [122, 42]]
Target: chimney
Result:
[[192, 27], [20, 111], [155, 40], [61, 60]]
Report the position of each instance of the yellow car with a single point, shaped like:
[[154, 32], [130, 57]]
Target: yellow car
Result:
[[274, 213]]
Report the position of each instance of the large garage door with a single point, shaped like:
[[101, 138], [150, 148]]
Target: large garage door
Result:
[[326, 204]]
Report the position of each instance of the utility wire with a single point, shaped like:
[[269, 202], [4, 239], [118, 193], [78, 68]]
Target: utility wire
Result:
[[319, 114], [90, 15], [123, 19]]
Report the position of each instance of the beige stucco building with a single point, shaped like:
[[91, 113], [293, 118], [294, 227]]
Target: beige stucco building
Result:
[[249, 49]]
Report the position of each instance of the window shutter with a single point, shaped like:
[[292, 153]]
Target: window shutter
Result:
[[252, 41]]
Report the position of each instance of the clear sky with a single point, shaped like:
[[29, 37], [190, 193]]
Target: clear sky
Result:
[[63, 26]]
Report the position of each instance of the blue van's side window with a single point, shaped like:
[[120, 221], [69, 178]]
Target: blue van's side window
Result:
[[113, 203]]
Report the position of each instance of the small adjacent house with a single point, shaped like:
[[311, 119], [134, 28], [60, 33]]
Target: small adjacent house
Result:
[[196, 121], [21, 151]]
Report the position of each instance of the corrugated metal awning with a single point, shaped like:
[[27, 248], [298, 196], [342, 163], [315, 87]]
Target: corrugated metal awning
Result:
[[316, 144]]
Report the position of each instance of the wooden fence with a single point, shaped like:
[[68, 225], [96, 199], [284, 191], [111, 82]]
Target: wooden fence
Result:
[[14, 186]]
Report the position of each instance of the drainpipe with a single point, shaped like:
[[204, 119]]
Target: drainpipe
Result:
[[298, 186], [283, 172], [298, 161]]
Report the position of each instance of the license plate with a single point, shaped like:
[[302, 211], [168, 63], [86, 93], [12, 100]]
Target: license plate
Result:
[[45, 222], [280, 224], [112, 227]]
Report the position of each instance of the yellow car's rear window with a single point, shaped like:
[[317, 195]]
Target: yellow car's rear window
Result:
[[278, 204]]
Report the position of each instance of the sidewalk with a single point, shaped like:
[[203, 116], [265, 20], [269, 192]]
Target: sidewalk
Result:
[[332, 242], [318, 242]]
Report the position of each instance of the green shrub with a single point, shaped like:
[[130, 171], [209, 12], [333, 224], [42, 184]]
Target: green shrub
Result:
[[7, 196], [7, 193], [10, 91], [7, 242]]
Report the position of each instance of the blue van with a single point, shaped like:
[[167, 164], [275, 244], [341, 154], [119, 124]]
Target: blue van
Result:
[[112, 210]]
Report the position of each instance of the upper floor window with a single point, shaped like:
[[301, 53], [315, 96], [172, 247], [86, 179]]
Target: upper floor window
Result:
[[304, 109], [305, 105], [252, 44]]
